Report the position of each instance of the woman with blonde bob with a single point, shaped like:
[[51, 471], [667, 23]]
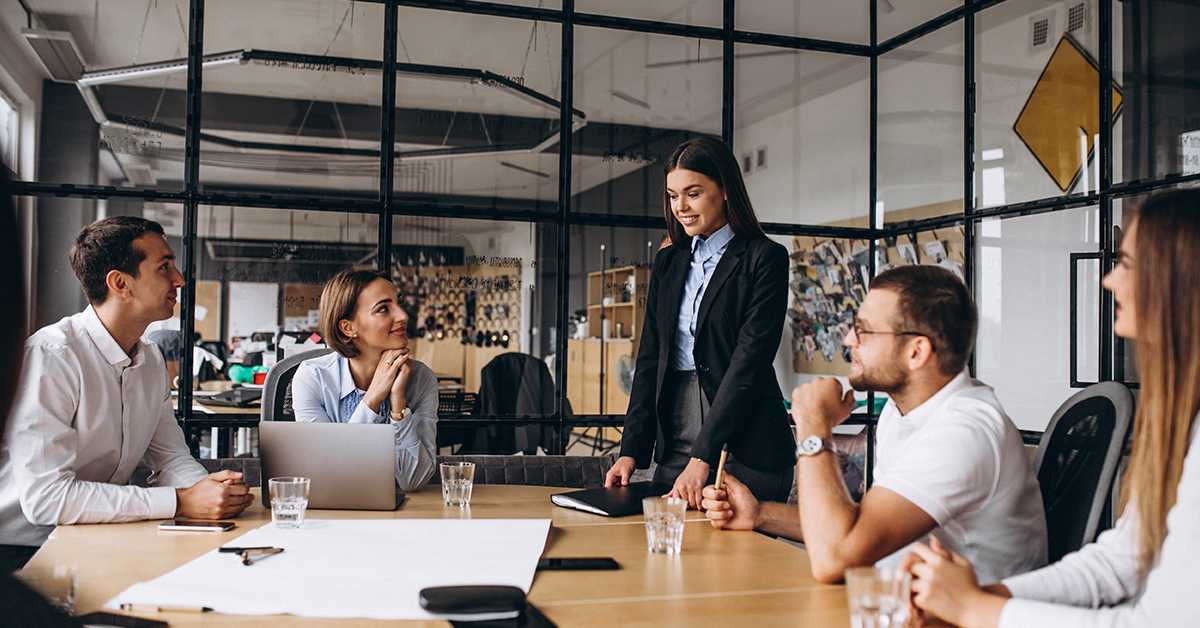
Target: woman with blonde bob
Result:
[[1142, 572], [370, 377]]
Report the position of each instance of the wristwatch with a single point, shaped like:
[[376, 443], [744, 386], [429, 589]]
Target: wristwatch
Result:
[[403, 413], [813, 445]]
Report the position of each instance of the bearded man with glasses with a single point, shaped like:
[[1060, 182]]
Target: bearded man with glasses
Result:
[[949, 461]]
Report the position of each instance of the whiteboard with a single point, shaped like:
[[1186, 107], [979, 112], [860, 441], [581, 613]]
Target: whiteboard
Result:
[[253, 307]]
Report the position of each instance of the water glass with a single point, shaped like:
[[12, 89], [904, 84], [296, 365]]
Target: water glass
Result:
[[878, 597], [457, 480], [664, 524], [289, 499], [57, 584]]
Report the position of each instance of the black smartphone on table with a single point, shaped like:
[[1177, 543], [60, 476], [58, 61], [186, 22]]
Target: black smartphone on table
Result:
[[577, 564]]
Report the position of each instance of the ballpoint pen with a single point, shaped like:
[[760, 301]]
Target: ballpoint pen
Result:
[[251, 555], [155, 608]]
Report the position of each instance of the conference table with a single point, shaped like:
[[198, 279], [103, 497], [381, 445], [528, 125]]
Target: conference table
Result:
[[720, 578]]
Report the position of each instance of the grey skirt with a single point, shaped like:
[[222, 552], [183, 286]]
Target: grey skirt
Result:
[[686, 412]]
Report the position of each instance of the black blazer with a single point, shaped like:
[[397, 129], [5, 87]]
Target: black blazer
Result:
[[738, 328]]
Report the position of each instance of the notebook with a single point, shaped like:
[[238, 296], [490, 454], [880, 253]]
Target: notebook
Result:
[[618, 501]]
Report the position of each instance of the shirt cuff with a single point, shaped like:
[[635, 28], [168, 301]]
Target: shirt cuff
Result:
[[163, 502], [364, 414], [1026, 585]]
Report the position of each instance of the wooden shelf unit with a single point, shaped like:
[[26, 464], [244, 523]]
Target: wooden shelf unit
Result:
[[585, 356]]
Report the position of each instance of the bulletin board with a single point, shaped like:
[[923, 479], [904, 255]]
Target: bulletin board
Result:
[[208, 310], [301, 304], [829, 280]]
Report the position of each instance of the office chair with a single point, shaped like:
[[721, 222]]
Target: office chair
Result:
[[1077, 460], [277, 392], [511, 384]]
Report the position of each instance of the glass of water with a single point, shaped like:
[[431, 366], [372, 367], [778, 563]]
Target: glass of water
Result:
[[664, 524], [457, 480], [289, 499], [878, 597]]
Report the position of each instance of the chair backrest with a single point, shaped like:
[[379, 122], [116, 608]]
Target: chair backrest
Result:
[[1077, 460], [276, 396], [563, 471]]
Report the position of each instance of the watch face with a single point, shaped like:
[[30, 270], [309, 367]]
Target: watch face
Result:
[[811, 445]]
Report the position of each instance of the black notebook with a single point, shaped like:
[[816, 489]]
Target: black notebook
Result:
[[618, 501]]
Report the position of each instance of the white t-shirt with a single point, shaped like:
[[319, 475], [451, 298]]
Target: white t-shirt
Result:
[[960, 458]]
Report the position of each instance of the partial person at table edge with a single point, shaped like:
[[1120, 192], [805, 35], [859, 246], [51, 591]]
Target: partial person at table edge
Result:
[[371, 377], [94, 402], [704, 379]]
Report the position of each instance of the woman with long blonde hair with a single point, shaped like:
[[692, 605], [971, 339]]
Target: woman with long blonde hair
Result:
[[1142, 572]]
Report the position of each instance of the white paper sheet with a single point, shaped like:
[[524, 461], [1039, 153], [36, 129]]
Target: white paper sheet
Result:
[[371, 568]]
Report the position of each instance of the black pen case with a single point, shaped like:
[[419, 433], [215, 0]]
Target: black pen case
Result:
[[472, 599]]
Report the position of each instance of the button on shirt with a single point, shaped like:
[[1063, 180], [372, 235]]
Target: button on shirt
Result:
[[960, 458], [323, 391], [85, 415], [706, 253]]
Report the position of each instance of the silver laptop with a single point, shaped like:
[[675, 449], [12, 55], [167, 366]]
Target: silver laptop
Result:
[[351, 466]]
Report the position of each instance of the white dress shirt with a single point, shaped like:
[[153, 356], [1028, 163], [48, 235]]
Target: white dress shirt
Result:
[[85, 415], [1099, 585], [323, 391], [958, 457]]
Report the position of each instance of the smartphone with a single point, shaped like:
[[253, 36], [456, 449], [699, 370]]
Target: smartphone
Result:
[[121, 621], [187, 525], [578, 564]]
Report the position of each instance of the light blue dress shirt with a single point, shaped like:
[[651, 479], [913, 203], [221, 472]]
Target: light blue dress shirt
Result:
[[323, 391], [706, 253]]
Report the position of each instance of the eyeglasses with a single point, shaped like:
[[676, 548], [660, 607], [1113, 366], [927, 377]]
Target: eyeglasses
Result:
[[859, 332]]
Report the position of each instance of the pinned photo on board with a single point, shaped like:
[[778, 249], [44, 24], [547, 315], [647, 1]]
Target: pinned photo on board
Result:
[[908, 254]]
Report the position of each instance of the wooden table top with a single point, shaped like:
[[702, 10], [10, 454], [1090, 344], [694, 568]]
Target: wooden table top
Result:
[[721, 578]]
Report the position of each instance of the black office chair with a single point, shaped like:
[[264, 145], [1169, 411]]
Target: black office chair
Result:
[[511, 384], [277, 392], [1077, 460]]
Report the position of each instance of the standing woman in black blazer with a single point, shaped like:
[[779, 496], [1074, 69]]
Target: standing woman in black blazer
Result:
[[704, 378]]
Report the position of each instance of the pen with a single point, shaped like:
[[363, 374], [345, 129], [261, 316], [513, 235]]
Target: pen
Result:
[[239, 550], [260, 554], [721, 468], [151, 608]]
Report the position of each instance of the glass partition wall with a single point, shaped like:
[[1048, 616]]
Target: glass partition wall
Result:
[[502, 162]]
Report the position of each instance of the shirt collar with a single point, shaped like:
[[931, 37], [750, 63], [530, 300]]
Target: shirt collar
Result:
[[921, 414], [716, 242], [347, 379], [104, 341]]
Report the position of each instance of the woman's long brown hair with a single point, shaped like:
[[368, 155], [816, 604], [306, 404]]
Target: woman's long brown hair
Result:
[[1167, 252], [714, 160]]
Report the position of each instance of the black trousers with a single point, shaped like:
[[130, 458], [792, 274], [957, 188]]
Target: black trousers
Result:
[[687, 408]]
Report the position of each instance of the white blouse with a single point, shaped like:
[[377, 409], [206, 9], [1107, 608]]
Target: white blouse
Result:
[[1098, 585]]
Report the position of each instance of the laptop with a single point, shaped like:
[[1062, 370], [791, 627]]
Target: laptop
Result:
[[351, 466], [237, 397]]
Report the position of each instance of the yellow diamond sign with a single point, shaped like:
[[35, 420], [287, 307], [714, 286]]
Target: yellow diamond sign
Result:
[[1064, 104]]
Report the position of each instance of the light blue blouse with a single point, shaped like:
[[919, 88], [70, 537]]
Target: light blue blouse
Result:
[[706, 253], [323, 391]]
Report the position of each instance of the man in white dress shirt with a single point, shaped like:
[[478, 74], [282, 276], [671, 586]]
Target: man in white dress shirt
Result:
[[94, 401]]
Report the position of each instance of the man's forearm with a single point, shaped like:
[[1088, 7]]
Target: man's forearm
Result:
[[826, 510], [779, 520]]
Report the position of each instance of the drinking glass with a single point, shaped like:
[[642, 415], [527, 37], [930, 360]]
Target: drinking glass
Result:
[[878, 597], [457, 480], [289, 500], [664, 524]]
